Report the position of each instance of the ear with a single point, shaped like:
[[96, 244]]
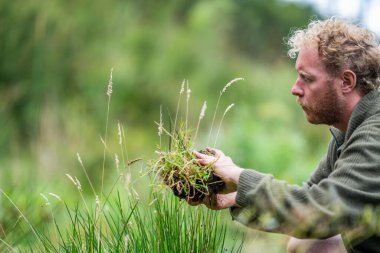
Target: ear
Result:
[[348, 81]]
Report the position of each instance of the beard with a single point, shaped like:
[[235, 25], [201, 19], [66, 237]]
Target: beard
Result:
[[326, 108]]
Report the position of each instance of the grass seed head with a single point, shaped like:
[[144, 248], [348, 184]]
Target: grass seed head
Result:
[[55, 196], [203, 110], [109, 86], [230, 83]]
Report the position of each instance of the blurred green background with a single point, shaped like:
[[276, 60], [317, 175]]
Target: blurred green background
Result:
[[55, 62]]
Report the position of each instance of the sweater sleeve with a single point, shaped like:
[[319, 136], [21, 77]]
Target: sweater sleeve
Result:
[[332, 202]]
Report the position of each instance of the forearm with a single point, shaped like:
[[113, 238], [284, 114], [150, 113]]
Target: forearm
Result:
[[275, 206]]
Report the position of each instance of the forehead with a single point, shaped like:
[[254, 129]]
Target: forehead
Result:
[[308, 60]]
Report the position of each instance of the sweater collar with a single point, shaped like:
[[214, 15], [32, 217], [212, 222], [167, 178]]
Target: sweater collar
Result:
[[362, 111]]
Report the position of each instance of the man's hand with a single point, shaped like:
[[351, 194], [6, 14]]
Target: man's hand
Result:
[[216, 201], [220, 201], [223, 168]]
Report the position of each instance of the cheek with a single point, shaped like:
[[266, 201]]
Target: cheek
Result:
[[313, 98], [316, 91]]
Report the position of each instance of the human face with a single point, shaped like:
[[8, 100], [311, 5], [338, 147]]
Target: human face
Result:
[[316, 90]]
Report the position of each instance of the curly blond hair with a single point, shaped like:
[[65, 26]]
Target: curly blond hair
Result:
[[341, 46]]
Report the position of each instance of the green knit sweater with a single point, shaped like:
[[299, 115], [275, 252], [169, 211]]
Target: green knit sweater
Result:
[[341, 197]]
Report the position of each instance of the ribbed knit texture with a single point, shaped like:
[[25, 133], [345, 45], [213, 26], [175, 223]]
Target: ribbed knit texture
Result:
[[344, 186]]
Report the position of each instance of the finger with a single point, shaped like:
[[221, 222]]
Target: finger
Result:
[[207, 201], [201, 158], [211, 202], [204, 159], [216, 152], [199, 155], [203, 162], [192, 202]]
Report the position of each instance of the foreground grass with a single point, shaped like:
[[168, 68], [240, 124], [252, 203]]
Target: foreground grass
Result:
[[128, 225], [121, 221]]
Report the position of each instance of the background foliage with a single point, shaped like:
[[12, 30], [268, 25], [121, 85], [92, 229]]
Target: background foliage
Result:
[[54, 66]]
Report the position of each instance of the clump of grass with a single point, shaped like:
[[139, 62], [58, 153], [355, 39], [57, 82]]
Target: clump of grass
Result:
[[177, 166], [179, 169]]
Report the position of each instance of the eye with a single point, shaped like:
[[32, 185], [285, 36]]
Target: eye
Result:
[[305, 78]]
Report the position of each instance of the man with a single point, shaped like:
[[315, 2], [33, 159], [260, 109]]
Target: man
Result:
[[338, 66]]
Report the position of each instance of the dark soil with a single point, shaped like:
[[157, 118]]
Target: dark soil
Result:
[[214, 185]]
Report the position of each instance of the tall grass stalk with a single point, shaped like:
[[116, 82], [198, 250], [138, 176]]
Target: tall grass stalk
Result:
[[48, 204], [123, 149], [78, 185], [125, 158], [201, 116], [21, 214], [217, 104], [86, 174], [179, 103], [109, 93], [160, 126], [188, 92], [221, 121], [8, 245]]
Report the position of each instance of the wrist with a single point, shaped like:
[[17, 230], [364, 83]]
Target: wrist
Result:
[[232, 200], [236, 175], [233, 179]]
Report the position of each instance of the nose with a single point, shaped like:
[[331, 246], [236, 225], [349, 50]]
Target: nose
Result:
[[297, 90]]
